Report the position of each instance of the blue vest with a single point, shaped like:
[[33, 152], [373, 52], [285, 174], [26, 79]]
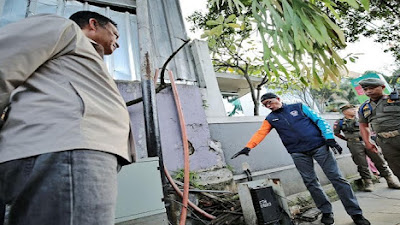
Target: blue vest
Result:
[[297, 132]]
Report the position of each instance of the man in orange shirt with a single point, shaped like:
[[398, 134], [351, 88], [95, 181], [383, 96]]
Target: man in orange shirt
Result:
[[306, 137]]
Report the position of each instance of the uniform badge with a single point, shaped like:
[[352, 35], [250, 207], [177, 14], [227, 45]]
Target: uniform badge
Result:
[[294, 113], [366, 111]]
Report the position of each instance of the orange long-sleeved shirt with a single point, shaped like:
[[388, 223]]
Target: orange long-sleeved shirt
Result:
[[260, 134]]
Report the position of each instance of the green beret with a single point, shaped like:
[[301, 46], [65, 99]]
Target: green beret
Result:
[[371, 82], [347, 106]]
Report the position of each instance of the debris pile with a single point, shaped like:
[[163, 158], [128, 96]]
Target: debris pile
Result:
[[224, 206]]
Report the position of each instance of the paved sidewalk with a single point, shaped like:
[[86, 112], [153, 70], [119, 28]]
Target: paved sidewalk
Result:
[[380, 207]]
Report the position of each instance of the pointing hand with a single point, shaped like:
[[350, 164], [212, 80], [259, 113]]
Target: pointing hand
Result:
[[245, 151]]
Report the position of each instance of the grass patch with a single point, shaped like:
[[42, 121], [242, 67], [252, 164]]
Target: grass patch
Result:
[[193, 178]]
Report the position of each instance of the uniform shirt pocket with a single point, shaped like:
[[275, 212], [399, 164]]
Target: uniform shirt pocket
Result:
[[79, 99]]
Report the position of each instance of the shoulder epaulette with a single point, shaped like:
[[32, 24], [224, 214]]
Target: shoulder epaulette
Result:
[[366, 108], [341, 123]]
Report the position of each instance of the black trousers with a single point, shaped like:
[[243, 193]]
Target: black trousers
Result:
[[2, 212]]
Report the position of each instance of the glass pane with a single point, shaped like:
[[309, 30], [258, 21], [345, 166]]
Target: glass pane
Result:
[[97, 9], [46, 6], [121, 57], [120, 63], [72, 7], [13, 10], [135, 42]]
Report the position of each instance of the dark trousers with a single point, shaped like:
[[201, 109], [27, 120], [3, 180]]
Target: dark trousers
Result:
[[305, 165], [391, 151], [2, 212], [359, 153]]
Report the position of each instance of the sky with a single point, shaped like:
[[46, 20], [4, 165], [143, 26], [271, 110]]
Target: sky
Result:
[[371, 55]]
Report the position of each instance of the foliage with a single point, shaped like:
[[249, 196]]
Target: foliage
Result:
[[233, 47], [293, 32], [193, 177], [347, 92], [381, 23], [298, 40], [328, 97]]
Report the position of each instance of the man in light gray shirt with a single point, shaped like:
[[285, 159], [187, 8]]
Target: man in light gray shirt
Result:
[[66, 129]]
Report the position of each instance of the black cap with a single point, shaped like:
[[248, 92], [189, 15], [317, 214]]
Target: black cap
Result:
[[268, 96], [347, 106], [371, 82]]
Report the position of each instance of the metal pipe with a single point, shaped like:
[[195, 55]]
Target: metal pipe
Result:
[[185, 196], [153, 140]]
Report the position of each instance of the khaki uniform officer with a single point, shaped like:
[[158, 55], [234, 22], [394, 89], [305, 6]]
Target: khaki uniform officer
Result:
[[382, 114], [349, 126]]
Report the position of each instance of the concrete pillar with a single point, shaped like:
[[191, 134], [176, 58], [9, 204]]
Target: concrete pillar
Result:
[[212, 98]]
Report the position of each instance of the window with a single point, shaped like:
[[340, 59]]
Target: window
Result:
[[123, 64]]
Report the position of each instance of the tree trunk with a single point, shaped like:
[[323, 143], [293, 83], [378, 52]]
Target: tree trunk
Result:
[[256, 106]]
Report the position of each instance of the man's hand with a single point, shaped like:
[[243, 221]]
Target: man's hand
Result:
[[334, 146], [245, 151], [371, 147]]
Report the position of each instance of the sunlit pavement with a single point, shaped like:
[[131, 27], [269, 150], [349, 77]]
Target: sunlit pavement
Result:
[[380, 207]]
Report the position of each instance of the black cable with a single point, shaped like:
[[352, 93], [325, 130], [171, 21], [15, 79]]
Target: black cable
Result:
[[169, 59], [248, 175], [162, 83]]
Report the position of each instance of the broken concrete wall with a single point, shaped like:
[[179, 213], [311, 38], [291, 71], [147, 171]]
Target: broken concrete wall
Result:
[[203, 157]]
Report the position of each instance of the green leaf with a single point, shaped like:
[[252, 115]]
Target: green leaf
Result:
[[277, 19], [365, 4], [304, 81], [232, 48], [243, 26], [211, 43], [277, 5], [205, 34], [287, 13], [212, 23], [332, 10], [220, 19], [230, 5], [239, 5], [216, 2], [336, 28], [317, 78], [296, 33], [233, 25], [230, 18], [337, 58], [311, 28], [353, 3], [319, 22], [217, 30]]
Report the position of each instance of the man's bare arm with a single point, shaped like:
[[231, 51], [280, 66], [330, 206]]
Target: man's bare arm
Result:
[[366, 134]]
